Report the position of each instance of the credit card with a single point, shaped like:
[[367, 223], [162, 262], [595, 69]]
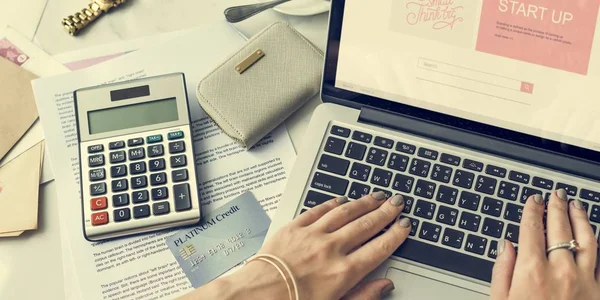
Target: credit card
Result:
[[223, 239]]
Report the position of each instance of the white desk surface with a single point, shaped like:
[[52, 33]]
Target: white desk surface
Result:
[[31, 265]]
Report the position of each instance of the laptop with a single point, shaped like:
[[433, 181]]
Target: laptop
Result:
[[450, 104]]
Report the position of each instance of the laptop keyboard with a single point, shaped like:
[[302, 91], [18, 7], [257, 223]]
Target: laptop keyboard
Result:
[[459, 206]]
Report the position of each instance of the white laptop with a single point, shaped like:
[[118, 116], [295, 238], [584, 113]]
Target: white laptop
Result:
[[464, 107]]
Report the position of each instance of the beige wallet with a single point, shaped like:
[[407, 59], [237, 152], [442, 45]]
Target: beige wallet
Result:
[[262, 84]]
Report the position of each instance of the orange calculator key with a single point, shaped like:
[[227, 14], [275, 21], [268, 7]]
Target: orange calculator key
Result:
[[99, 203], [100, 218]]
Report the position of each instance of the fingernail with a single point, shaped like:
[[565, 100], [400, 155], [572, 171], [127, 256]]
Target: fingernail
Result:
[[405, 222], [341, 200], [379, 195], [501, 247], [397, 200], [577, 204], [562, 194], [538, 199], [387, 289]]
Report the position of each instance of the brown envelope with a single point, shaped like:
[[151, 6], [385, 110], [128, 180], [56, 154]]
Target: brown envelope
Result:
[[17, 105]]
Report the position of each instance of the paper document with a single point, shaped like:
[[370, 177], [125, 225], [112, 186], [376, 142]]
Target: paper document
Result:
[[142, 267], [24, 16]]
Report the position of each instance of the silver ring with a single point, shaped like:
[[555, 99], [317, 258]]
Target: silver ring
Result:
[[572, 246]]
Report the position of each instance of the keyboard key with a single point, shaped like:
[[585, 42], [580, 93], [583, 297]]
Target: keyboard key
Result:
[[303, 210], [157, 138], [156, 150], [492, 227], [117, 157], [357, 190], [137, 153], [158, 179], [178, 161], [493, 251], [495, 171], [377, 156], [398, 162], [119, 185], [542, 183], [447, 215], [527, 192], [179, 175], [453, 238], [430, 232], [122, 215], [492, 207], [383, 142], [571, 189], [340, 131], [419, 167], [589, 195], [99, 203], [381, 177], [356, 151], [181, 193], [469, 201], [135, 142], [473, 165], [403, 183], [469, 221], [405, 148], [139, 182], [139, 196], [160, 193], [175, 135], [414, 224], [100, 218], [463, 179], [95, 148], [360, 172], [96, 160], [408, 204], [179, 147], [141, 211], [388, 194], [315, 198], [518, 177], [441, 173], [512, 233], [595, 214], [116, 145], [508, 191], [333, 164], [118, 171], [424, 209], [329, 183], [120, 200], [447, 195], [485, 185], [137, 168], [513, 212], [475, 244], [160, 208], [97, 174], [586, 206], [362, 137], [428, 153], [450, 159], [157, 164], [425, 189]]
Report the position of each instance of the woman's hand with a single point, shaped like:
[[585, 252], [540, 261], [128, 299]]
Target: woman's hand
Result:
[[533, 275]]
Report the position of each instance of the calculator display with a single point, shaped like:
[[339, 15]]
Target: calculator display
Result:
[[134, 115]]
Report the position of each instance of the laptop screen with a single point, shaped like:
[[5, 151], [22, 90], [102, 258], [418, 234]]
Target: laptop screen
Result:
[[529, 66]]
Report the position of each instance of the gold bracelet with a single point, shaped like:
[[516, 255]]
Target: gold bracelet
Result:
[[288, 277]]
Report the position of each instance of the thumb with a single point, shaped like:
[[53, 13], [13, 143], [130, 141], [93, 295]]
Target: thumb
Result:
[[372, 290], [503, 270]]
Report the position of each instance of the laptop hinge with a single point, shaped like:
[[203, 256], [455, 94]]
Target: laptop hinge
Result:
[[479, 142]]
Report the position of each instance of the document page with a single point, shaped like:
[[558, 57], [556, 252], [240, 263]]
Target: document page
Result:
[[142, 267], [527, 65]]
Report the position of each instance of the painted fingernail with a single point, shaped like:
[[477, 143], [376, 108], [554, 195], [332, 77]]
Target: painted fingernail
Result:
[[387, 289], [538, 199], [501, 247], [405, 222], [397, 200], [341, 200], [562, 194], [379, 196], [577, 204]]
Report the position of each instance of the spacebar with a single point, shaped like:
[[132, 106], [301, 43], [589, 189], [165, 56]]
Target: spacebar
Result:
[[446, 259]]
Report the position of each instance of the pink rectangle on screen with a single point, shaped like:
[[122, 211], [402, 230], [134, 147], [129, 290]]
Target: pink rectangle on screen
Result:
[[554, 33]]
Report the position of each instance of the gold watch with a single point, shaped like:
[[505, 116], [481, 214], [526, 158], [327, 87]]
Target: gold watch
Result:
[[79, 20]]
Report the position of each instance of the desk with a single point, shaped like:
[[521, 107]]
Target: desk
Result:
[[31, 265]]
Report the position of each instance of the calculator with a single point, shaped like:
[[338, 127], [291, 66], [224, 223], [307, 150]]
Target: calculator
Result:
[[136, 157]]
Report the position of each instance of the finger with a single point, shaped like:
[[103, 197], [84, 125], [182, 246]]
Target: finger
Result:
[[366, 258], [340, 216], [372, 290], [317, 212], [559, 228], [364, 228], [503, 270], [532, 243], [584, 235]]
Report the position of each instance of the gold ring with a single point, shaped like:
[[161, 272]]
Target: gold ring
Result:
[[572, 246]]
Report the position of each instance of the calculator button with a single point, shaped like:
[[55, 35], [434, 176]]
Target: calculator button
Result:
[[139, 196], [100, 218], [142, 211], [98, 189], [139, 182], [179, 175], [158, 178], [97, 174], [178, 161], [95, 148], [160, 208], [118, 171], [154, 139], [99, 203], [157, 164], [176, 147], [137, 168], [181, 193], [96, 160], [122, 215], [136, 153], [160, 193], [117, 157], [175, 135], [135, 142], [120, 200], [119, 185], [156, 150], [116, 145]]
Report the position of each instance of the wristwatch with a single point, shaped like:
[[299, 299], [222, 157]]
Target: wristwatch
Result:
[[79, 20]]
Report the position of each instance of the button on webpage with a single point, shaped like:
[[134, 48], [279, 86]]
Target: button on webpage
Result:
[[100, 218], [99, 203], [175, 135]]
